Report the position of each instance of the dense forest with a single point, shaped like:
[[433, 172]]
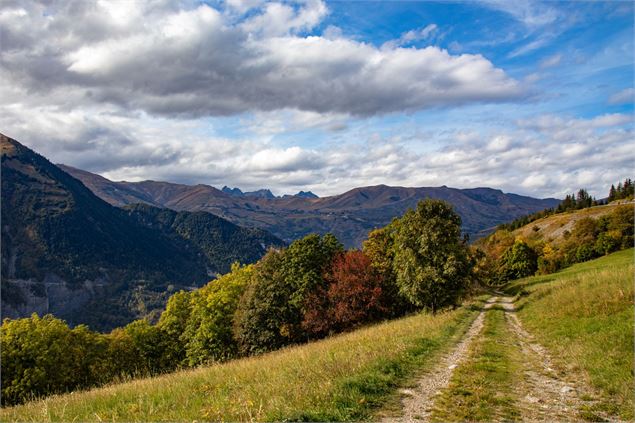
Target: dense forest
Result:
[[311, 289]]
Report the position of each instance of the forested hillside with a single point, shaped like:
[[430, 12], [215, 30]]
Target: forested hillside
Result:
[[67, 252], [555, 239]]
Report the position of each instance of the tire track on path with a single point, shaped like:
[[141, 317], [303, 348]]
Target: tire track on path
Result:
[[417, 402], [544, 395]]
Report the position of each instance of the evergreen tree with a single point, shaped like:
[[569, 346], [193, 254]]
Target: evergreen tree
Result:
[[612, 193]]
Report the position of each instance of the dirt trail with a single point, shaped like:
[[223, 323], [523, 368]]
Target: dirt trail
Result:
[[417, 402], [543, 395]]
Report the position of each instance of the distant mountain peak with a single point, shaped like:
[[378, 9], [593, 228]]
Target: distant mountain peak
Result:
[[236, 192], [349, 215], [306, 194], [261, 193]]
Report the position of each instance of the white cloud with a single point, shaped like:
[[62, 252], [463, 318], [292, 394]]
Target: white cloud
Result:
[[499, 143], [412, 36], [156, 58], [626, 96], [543, 22], [121, 91], [531, 13], [551, 61], [530, 158]]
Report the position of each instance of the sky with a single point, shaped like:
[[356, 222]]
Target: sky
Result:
[[534, 98]]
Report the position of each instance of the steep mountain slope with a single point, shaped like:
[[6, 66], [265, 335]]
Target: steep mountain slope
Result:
[[68, 252], [349, 216], [222, 242]]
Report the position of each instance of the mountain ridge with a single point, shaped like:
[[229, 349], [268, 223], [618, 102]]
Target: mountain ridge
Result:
[[349, 216]]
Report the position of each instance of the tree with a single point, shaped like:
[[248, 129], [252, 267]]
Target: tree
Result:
[[519, 261], [550, 260], [148, 348], [354, 296], [263, 310], [208, 331], [380, 250], [621, 221], [583, 199], [271, 314], [173, 322], [42, 356], [612, 193], [431, 259]]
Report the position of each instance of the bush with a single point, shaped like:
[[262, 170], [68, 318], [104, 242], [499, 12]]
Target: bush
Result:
[[41, 356]]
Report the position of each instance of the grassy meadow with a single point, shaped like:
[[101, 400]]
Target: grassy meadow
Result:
[[345, 377], [584, 316]]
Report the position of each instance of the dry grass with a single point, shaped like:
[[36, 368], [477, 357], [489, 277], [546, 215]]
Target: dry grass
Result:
[[552, 228], [342, 378]]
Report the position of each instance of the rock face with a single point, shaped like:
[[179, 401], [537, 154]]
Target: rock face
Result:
[[52, 295], [67, 252], [349, 216]]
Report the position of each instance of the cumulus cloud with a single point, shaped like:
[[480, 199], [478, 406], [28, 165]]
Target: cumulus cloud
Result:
[[200, 61], [134, 90]]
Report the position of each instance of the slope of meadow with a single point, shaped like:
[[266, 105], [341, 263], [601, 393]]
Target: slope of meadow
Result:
[[554, 228], [584, 316], [342, 378]]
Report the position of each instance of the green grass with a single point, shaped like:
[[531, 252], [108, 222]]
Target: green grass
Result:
[[481, 387], [584, 315], [342, 378]]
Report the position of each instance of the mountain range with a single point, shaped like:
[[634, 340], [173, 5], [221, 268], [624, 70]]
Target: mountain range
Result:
[[263, 193], [66, 251], [349, 216], [104, 253]]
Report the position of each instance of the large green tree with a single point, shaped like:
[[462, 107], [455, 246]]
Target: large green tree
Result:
[[431, 260], [41, 356], [271, 314]]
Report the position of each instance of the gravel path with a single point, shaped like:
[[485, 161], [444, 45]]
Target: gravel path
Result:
[[417, 402], [543, 395]]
